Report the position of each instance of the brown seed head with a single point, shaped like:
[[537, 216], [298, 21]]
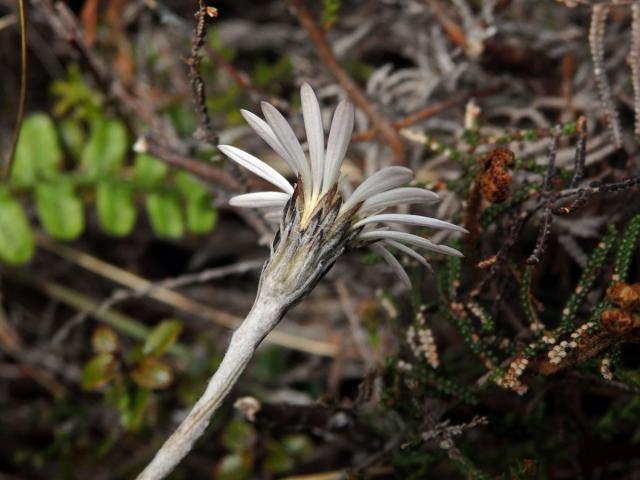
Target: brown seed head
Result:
[[619, 321], [494, 179], [624, 295]]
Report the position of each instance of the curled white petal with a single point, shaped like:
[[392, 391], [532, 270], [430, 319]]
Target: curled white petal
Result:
[[315, 134], [417, 220], [288, 140], [411, 239], [397, 196], [409, 251], [393, 263], [257, 166], [381, 181], [265, 132], [260, 200], [339, 138]]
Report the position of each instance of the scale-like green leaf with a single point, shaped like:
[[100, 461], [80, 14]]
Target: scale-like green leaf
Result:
[[38, 153], [116, 208], [16, 237], [165, 215], [148, 171], [60, 210], [106, 149]]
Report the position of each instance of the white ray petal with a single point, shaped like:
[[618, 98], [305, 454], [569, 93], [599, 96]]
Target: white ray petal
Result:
[[259, 200], [411, 240], [288, 140], [274, 216], [339, 138], [315, 134], [381, 181], [409, 251], [417, 220], [398, 196], [257, 166], [265, 132], [393, 263]]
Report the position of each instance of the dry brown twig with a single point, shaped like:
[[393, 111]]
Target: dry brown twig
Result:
[[380, 123]]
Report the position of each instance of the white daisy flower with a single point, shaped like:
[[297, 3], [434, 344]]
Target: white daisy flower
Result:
[[316, 226], [314, 202]]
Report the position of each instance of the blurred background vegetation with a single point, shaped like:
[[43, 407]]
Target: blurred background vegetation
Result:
[[123, 269]]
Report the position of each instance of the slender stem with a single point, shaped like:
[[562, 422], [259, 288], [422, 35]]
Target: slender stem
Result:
[[263, 317]]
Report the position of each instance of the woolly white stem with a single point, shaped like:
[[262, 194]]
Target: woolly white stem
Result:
[[263, 317]]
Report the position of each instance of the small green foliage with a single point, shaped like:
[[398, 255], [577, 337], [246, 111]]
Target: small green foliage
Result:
[[106, 148], [99, 371], [16, 238], [38, 154], [587, 280], [330, 10], [104, 340], [153, 374], [161, 338], [165, 215], [60, 210], [115, 207], [628, 246]]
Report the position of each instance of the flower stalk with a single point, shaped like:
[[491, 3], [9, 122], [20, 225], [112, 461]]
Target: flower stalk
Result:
[[316, 226]]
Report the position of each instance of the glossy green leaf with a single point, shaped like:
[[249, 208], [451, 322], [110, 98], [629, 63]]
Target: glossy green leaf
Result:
[[16, 236], [106, 149], [38, 153], [162, 337], [164, 214], [148, 171], [98, 371], [153, 374], [60, 210], [116, 208]]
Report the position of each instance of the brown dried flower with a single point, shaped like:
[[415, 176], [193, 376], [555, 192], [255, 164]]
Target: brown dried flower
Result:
[[494, 179]]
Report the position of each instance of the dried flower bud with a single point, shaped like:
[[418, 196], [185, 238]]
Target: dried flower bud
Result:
[[624, 295], [495, 180], [619, 321]]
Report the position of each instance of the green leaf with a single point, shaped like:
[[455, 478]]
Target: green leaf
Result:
[[116, 208], [61, 212], [98, 371], [201, 216], [106, 149], [190, 187], [153, 374], [162, 337], [132, 414], [164, 214], [38, 153], [104, 340], [148, 171], [235, 466], [73, 137], [16, 237]]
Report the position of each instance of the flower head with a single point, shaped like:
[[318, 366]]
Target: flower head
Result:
[[316, 223]]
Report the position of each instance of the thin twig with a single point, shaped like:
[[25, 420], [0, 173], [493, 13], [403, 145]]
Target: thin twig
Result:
[[428, 112], [6, 169], [380, 123], [182, 302], [205, 130]]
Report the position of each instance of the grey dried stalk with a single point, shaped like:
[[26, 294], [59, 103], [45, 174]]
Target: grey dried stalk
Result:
[[303, 250]]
